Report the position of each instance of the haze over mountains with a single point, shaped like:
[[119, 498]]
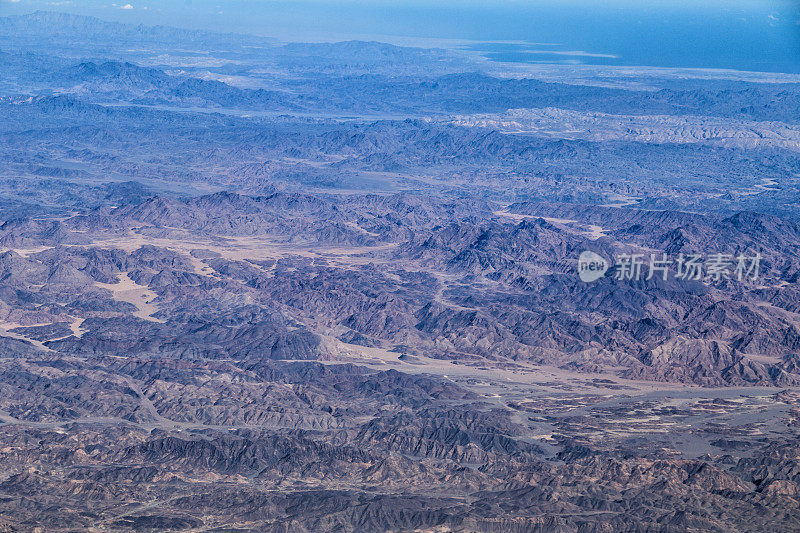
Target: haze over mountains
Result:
[[252, 285]]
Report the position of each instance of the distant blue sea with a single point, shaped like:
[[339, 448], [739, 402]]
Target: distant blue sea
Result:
[[758, 37], [755, 35]]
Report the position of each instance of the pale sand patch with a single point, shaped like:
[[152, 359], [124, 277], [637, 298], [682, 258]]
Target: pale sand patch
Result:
[[5, 328], [595, 232], [127, 290], [515, 216], [540, 377], [244, 248], [75, 326], [767, 359], [25, 252], [592, 231], [360, 229], [201, 268]]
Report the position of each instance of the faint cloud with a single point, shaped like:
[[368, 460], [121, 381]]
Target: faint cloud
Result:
[[126, 6]]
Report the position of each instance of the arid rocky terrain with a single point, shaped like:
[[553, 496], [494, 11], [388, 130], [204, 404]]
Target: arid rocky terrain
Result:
[[257, 286]]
